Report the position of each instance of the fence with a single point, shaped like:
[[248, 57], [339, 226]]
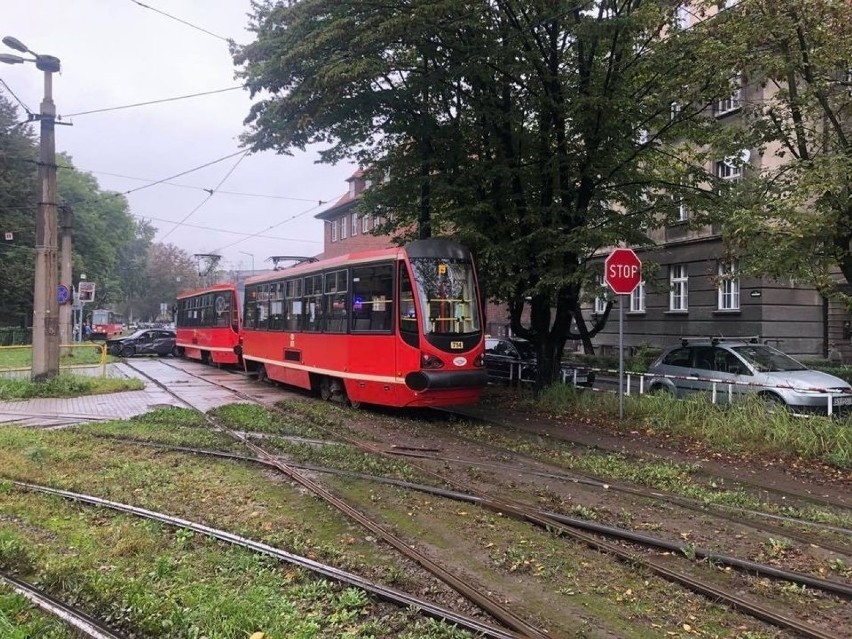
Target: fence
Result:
[[16, 359], [15, 336]]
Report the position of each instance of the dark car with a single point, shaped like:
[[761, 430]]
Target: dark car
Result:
[[727, 370], [148, 341], [512, 359]]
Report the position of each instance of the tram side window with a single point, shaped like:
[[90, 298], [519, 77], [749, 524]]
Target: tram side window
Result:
[[312, 305], [221, 309], [372, 298], [335, 301], [263, 307], [407, 305], [250, 319], [293, 305], [276, 306]]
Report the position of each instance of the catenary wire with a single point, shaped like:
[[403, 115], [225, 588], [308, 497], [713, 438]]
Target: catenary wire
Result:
[[161, 101], [12, 93], [209, 195], [189, 24]]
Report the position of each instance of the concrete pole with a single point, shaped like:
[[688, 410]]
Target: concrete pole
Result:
[[66, 222], [45, 303]]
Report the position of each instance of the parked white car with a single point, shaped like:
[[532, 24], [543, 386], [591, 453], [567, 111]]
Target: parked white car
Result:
[[737, 368]]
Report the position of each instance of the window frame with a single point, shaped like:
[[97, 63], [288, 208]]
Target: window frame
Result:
[[678, 288], [728, 289]]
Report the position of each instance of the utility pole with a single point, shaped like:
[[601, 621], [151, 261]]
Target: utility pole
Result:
[[66, 223], [45, 303], [45, 286]]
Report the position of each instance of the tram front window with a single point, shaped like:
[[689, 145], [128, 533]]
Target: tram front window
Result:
[[447, 296]]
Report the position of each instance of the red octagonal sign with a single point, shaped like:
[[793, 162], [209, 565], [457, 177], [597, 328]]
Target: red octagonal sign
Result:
[[623, 271]]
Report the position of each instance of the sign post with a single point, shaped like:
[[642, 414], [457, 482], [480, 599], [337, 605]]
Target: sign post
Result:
[[85, 293], [622, 273]]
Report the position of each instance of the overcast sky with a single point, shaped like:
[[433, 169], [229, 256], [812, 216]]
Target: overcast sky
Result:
[[116, 53]]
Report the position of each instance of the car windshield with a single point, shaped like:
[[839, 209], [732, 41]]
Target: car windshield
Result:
[[766, 359], [525, 349]]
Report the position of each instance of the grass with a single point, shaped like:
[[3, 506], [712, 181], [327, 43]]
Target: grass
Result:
[[65, 385], [745, 427], [86, 353], [149, 580]]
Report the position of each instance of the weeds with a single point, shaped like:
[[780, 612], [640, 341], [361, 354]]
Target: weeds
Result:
[[65, 385]]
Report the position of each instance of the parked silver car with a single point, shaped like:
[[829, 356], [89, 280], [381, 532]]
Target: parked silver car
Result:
[[727, 369]]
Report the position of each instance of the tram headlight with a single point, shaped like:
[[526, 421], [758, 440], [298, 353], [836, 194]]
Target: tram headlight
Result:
[[430, 361]]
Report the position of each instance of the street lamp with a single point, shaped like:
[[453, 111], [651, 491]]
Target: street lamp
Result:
[[45, 285], [251, 255]]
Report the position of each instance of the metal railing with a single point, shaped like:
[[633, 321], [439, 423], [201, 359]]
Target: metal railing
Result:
[[17, 367]]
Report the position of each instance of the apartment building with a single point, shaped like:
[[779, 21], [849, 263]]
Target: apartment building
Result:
[[691, 290]]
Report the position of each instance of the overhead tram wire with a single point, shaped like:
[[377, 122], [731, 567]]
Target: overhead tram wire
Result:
[[197, 168], [189, 24], [12, 93], [210, 194], [162, 101], [269, 228]]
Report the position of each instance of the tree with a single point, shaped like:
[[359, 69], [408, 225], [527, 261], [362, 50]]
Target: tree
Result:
[[794, 217], [539, 133], [168, 270], [18, 155]]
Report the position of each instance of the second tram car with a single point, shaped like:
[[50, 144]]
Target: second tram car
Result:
[[207, 323], [106, 324], [394, 327]]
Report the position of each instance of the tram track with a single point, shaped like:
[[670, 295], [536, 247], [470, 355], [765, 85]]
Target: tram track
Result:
[[71, 616], [386, 593], [650, 541], [523, 511], [468, 590]]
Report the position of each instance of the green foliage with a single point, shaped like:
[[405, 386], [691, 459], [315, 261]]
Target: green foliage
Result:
[[532, 132], [794, 218], [65, 385]]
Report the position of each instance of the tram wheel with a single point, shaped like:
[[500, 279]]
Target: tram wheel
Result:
[[355, 405], [261, 374], [325, 388]]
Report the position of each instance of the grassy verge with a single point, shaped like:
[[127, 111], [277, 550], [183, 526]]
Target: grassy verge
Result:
[[22, 356], [65, 385], [148, 580], [746, 427]]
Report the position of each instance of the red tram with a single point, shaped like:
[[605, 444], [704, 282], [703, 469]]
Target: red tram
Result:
[[207, 323], [396, 327], [106, 324]]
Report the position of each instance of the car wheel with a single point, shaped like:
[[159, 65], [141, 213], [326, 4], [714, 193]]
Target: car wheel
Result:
[[661, 389], [127, 351], [773, 403], [175, 352], [115, 349]]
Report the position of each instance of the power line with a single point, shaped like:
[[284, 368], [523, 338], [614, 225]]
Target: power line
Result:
[[197, 168], [9, 89], [201, 188], [138, 104], [205, 200], [189, 24], [269, 228], [218, 230]]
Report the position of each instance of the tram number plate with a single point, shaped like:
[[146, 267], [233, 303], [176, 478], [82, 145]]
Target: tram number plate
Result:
[[457, 345]]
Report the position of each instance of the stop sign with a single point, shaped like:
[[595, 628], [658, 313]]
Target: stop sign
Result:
[[623, 271]]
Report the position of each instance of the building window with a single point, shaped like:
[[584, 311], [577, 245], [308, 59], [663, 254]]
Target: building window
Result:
[[727, 169], [682, 17], [344, 227], [637, 298], [675, 110], [352, 188], [732, 102], [334, 230], [678, 287], [365, 222], [600, 300], [354, 224], [729, 286]]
